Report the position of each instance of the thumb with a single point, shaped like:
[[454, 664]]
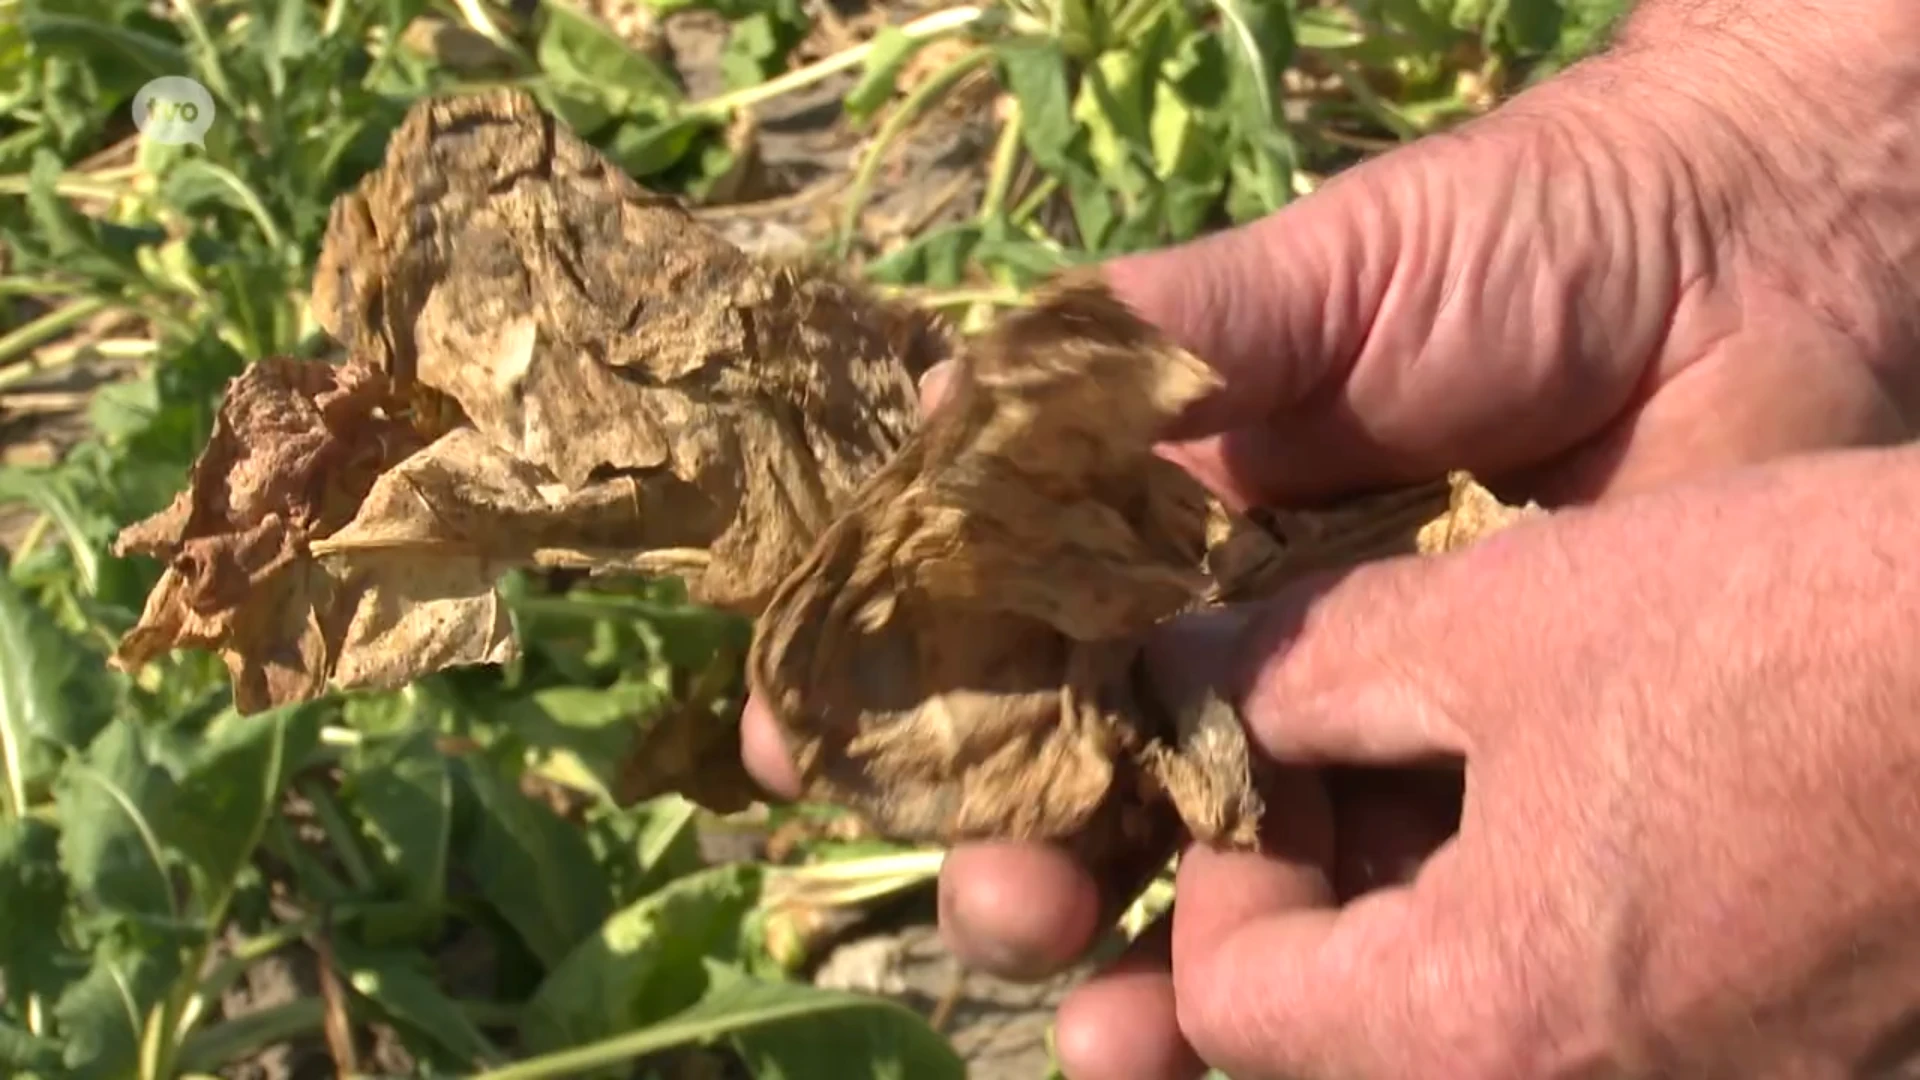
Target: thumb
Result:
[[1335, 669], [1278, 307], [1282, 308]]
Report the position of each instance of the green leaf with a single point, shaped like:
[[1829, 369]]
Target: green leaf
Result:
[[44, 705], [230, 788], [858, 1036], [597, 75], [536, 870], [22, 1052], [646, 149], [644, 963], [666, 842], [193, 185], [891, 48], [48, 492], [938, 258], [404, 987], [758, 41], [1585, 26], [590, 728], [1430, 22], [402, 792], [284, 37], [1259, 43], [33, 894], [105, 43], [1113, 106], [1035, 71], [1327, 29], [110, 800], [74, 243], [124, 409], [101, 1016]]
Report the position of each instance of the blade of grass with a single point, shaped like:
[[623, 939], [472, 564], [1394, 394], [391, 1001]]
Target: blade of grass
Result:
[[58, 504], [51, 325], [938, 24]]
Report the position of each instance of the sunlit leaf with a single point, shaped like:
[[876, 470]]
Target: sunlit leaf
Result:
[[229, 788], [535, 869], [404, 987], [850, 1036], [644, 963]]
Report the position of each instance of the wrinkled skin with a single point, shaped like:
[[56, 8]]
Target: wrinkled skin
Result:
[[1692, 255]]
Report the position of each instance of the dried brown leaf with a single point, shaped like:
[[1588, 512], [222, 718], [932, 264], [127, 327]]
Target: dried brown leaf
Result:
[[593, 329], [552, 366], [955, 659], [952, 660], [295, 448]]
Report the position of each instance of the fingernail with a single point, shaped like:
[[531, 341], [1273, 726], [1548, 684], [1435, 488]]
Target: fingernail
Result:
[[934, 383]]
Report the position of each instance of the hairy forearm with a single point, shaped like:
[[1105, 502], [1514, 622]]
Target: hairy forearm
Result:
[[1652, 18]]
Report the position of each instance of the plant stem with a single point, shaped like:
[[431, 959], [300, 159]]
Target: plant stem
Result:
[[1036, 198], [897, 123], [341, 737], [950, 298], [221, 1043], [1378, 108], [1006, 154], [50, 325], [938, 24], [69, 186], [21, 285], [228, 971], [197, 30]]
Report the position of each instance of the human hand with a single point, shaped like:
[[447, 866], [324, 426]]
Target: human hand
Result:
[[1687, 847], [1615, 281]]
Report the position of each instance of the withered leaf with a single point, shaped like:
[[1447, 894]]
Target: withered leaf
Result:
[[1473, 513], [593, 329], [956, 657], [296, 448], [552, 366], [952, 658]]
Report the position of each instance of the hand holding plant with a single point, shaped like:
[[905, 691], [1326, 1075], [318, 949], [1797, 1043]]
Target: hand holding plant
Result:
[[1641, 272]]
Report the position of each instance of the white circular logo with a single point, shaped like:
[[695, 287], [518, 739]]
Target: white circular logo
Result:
[[173, 110]]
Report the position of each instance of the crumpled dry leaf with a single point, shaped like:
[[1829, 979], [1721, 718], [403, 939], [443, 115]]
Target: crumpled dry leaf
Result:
[[296, 450], [615, 388], [553, 367], [593, 329], [955, 658], [952, 658]]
